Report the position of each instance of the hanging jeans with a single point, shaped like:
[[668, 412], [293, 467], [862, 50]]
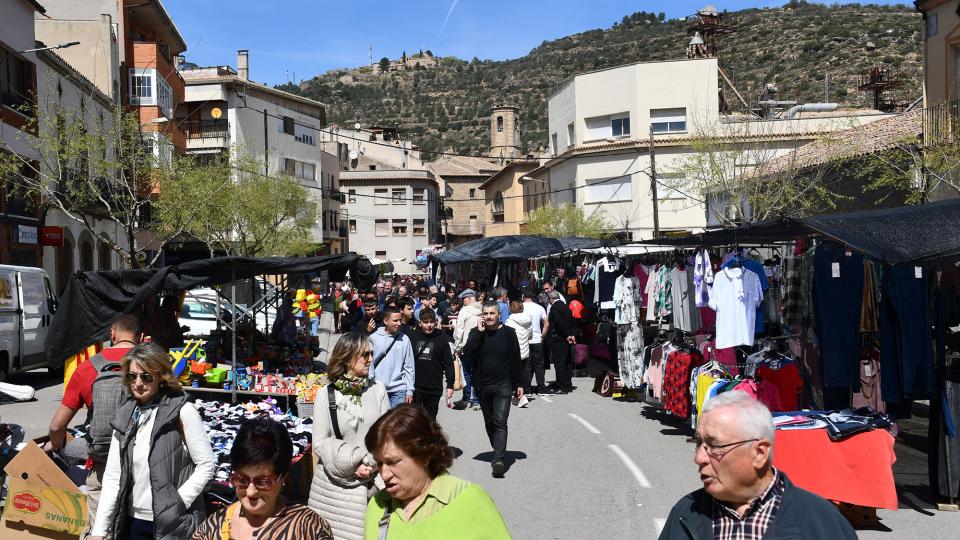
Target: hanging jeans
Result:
[[837, 305], [906, 346]]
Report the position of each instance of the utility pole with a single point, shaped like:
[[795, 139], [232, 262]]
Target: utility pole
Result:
[[266, 145], [653, 185]]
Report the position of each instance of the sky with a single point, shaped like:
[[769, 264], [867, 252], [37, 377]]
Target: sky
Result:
[[297, 39]]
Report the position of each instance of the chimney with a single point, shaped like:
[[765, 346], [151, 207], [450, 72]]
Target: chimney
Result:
[[243, 64]]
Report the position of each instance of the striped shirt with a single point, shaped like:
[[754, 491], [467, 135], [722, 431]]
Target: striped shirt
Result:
[[728, 525]]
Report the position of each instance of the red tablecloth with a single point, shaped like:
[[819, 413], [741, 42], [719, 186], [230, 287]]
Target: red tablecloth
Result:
[[857, 470]]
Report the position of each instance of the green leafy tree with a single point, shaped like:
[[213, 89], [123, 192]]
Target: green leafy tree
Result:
[[384, 64], [568, 220]]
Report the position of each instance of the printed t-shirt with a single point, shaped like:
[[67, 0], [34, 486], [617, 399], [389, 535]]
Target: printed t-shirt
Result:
[[79, 391]]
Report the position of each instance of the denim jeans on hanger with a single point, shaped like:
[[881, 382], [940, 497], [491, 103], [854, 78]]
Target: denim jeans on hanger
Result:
[[838, 300]]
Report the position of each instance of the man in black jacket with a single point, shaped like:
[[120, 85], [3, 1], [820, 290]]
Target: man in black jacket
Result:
[[494, 352], [433, 359], [743, 495], [561, 338], [371, 319]]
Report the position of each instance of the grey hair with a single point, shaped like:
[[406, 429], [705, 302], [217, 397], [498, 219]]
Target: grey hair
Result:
[[553, 295], [499, 292], [753, 418]]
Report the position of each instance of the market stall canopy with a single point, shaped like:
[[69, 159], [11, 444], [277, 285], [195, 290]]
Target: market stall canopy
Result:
[[93, 299], [919, 234], [513, 247]]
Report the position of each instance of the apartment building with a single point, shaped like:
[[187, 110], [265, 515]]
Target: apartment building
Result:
[[941, 51], [504, 198], [226, 113], [600, 128]]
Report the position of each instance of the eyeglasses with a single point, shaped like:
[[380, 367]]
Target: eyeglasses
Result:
[[366, 354], [263, 483], [717, 451], [145, 377]]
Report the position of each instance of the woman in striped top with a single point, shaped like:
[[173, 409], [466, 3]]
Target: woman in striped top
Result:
[[260, 458]]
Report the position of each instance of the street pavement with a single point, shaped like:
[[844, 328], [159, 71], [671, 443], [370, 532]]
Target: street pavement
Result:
[[581, 466]]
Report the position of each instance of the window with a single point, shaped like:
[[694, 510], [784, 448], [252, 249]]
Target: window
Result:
[[473, 194], [399, 195], [141, 86], [932, 25], [473, 225], [353, 225], [620, 125], [419, 195], [352, 195], [14, 79], [300, 169], [382, 227], [165, 98], [497, 211], [380, 196], [499, 123], [399, 227], [570, 133], [553, 139], [289, 126], [380, 254], [303, 134], [668, 120], [157, 145], [419, 227], [603, 190]]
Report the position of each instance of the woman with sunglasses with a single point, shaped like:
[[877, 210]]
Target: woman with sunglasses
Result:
[[345, 475], [260, 459], [160, 458]]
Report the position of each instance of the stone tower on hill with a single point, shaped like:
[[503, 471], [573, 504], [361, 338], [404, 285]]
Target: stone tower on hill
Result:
[[505, 132]]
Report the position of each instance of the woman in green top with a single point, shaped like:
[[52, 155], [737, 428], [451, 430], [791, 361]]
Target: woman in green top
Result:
[[421, 500]]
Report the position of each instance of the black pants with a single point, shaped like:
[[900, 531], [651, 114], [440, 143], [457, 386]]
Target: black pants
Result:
[[428, 400], [138, 529], [536, 367], [560, 356], [495, 405]]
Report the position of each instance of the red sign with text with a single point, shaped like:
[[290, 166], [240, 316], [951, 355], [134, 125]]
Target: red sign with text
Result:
[[51, 236]]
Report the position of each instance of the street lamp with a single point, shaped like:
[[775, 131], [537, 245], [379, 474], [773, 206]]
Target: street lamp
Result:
[[52, 47]]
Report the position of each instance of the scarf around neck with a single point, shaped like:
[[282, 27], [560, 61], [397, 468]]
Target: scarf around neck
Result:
[[354, 387]]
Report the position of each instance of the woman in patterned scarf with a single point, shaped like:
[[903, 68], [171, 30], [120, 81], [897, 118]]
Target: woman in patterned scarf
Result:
[[346, 475]]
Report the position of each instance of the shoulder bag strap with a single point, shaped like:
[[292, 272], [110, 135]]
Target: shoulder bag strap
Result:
[[332, 400], [396, 338], [225, 526], [385, 521]]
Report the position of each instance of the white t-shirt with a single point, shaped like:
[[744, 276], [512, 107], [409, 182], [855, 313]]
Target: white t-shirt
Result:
[[537, 314], [735, 296]]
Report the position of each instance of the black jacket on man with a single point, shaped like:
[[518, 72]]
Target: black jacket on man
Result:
[[802, 515], [433, 359], [494, 356], [561, 322]]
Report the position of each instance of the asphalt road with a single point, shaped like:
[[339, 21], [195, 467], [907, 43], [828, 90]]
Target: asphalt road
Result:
[[581, 466]]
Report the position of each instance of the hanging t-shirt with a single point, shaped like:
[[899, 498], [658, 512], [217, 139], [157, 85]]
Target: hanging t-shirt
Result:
[[788, 382], [643, 272], [608, 270], [683, 305], [735, 297], [757, 269]]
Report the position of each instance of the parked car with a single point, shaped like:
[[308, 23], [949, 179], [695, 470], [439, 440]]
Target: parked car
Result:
[[27, 305], [199, 317]]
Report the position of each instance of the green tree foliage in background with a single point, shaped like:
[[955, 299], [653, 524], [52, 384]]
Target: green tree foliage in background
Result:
[[568, 220]]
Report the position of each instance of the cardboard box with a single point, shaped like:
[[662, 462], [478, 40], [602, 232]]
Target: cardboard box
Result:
[[42, 501]]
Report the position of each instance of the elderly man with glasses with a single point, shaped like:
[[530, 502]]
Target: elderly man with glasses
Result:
[[744, 497]]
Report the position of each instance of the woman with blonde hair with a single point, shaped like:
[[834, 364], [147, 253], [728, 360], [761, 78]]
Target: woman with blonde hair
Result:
[[345, 477], [160, 458]]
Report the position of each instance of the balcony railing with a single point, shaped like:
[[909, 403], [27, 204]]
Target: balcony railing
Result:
[[204, 129], [941, 124]]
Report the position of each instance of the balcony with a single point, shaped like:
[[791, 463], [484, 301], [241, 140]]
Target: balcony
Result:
[[206, 133], [941, 124]]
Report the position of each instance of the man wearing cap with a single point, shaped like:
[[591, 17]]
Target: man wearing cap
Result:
[[468, 319]]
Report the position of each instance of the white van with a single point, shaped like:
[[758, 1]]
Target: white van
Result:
[[27, 305]]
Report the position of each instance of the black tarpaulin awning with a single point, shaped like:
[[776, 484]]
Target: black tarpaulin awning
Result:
[[93, 299], [512, 248], [920, 234]]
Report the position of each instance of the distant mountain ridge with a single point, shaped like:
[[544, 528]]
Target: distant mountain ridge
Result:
[[447, 106]]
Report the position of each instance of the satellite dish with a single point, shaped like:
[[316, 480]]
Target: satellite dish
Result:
[[216, 112], [357, 126], [354, 155]]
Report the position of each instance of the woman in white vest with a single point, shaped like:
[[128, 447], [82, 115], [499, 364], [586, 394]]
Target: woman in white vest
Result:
[[346, 475]]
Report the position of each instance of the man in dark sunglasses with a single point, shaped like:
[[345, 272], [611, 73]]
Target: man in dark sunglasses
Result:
[[744, 496]]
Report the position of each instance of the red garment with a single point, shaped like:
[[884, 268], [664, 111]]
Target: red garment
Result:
[[708, 317], [788, 382], [676, 382], [728, 359], [576, 309], [763, 392], [79, 391]]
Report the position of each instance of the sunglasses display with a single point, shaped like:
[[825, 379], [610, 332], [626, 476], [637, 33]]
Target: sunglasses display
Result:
[[242, 481], [145, 377]]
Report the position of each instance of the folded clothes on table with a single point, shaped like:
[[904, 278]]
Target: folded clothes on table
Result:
[[839, 424]]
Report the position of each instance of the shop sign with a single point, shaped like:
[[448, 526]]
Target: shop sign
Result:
[[51, 236], [26, 234]]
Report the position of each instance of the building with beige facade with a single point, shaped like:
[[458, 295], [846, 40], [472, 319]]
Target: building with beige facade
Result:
[[941, 51], [601, 124], [504, 198], [463, 177]]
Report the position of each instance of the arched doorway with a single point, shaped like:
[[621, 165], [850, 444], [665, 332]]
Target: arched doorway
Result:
[[86, 252], [106, 254]]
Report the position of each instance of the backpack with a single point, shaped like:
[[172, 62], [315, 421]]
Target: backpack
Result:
[[107, 394]]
